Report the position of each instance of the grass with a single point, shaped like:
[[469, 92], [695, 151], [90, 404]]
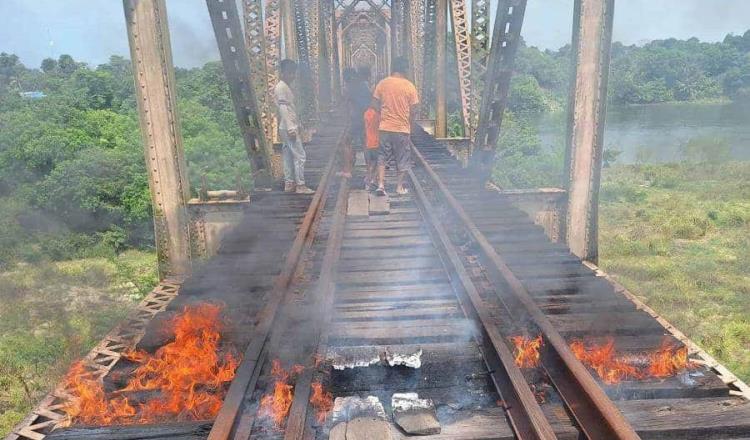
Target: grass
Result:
[[52, 313], [678, 236]]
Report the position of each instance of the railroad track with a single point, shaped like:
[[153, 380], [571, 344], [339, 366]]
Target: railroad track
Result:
[[440, 280], [424, 278]]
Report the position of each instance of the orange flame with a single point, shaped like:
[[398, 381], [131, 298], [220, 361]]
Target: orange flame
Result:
[[277, 404], [666, 361], [188, 375], [322, 401], [527, 351]]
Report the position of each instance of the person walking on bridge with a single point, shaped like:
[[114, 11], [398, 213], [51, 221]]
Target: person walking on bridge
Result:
[[397, 99], [292, 151]]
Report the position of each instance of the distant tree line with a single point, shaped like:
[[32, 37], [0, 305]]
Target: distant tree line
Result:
[[660, 71]]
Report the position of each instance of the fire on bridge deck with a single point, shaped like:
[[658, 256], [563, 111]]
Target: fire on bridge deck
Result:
[[451, 312], [403, 298]]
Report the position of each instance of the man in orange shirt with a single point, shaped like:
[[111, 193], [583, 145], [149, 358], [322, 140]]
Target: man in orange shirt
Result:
[[397, 99]]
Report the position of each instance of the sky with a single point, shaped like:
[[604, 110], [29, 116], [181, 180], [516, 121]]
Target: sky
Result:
[[92, 30]]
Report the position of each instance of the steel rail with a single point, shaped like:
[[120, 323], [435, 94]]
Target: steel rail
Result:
[[524, 413], [296, 425], [596, 414], [248, 370]]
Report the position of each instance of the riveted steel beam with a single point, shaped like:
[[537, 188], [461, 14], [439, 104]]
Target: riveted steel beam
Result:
[[506, 37], [228, 30], [587, 108]]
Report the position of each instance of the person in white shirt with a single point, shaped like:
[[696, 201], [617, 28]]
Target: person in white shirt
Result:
[[293, 152]]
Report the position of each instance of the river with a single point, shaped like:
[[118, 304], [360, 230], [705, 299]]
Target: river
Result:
[[657, 133]]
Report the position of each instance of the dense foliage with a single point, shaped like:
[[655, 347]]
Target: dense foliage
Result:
[[659, 71], [72, 176]]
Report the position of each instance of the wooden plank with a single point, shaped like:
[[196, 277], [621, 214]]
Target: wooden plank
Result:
[[170, 431], [381, 223], [387, 253], [377, 306], [694, 386], [605, 323], [455, 329], [377, 264], [404, 232], [691, 419], [424, 293], [487, 424], [358, 204], [397, 314], [392, 276], [381, 205], [409, 242], [396, 288], [392, 216]]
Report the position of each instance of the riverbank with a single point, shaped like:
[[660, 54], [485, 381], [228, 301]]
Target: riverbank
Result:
[[52, 313], [678, 236]]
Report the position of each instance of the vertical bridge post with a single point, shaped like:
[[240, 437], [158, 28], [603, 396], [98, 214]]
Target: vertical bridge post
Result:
[[151, 56], [592, 41], [441, 36]]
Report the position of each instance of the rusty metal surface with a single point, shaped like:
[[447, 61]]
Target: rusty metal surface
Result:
[[462, 39], [255, 41], [150, 49], [228, 30], [506, 37], [441, 68], [480, 45], [429, 56], [592, 41]]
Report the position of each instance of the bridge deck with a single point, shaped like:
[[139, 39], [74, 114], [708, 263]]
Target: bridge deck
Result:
[[411, 276]]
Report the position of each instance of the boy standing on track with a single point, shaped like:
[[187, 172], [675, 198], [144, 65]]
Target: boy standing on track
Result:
[[293, 152], [372, 144], [397, 99]]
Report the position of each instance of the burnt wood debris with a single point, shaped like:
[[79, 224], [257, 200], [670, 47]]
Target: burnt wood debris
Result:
[[455, 311]]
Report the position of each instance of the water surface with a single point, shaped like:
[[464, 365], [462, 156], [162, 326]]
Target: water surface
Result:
[[657, 133]]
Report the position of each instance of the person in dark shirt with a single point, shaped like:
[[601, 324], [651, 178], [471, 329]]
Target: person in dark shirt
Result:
[[357, 97]]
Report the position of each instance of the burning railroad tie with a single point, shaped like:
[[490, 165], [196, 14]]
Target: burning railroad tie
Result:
[[666, 361], [276, 405], [526, 351], [184, 380], [322, 401]]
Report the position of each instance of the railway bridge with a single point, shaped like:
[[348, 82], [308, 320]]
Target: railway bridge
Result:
[[457, 311]]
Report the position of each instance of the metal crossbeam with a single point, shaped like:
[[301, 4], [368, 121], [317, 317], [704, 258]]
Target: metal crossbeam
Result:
[[228, 29], [506, 37]]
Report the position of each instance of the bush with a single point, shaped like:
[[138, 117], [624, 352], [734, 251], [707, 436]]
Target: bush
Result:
[[686, 228], [521, 162]]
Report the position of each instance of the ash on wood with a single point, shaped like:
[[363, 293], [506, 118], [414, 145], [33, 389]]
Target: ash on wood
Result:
[[170, 431]]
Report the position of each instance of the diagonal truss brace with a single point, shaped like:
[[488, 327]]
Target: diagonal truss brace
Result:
[[463, 59], [506, 37], [228, 29]]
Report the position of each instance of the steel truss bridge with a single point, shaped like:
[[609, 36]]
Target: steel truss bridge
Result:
[[453, 269]]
